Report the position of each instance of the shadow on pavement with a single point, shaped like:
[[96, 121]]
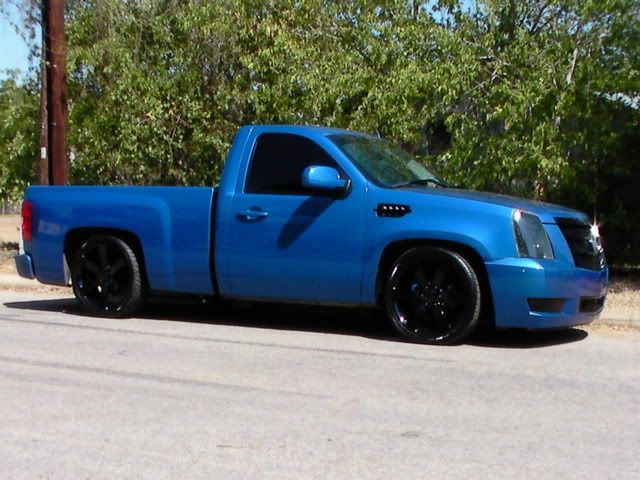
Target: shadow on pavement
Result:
[[342, 321], [527, 339]]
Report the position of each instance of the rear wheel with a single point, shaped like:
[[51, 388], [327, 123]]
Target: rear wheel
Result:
[[106, 277], [432, 295]]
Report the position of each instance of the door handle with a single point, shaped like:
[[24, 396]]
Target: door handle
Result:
[[251, 214]]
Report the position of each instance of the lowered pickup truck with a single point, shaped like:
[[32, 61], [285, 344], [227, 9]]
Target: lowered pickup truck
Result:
[[322, 216]]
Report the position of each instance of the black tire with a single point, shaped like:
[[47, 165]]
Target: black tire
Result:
[[432, 295], [106, 277]]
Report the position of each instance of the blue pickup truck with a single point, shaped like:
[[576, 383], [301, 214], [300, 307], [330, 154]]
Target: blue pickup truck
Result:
[[322, 216]]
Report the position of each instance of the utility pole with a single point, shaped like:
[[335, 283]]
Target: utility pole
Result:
[[56, 82], [43, 164]]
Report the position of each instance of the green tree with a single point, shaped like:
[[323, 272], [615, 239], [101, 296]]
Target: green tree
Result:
[[531, 97], [19, 134]]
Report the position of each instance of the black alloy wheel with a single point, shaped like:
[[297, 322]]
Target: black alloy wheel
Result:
[[432, 295], [106, 277]]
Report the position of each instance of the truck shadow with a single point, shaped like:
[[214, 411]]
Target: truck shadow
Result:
[[332, 320]]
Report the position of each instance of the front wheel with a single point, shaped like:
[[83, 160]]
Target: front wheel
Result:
[[106, 277], [432, 295]]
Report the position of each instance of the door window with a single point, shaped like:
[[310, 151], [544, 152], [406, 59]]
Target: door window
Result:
[[278, 163]]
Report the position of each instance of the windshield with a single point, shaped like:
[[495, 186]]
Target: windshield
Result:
[[385, 163]]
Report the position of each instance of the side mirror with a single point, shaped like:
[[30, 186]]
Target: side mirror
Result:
[[324, 178]]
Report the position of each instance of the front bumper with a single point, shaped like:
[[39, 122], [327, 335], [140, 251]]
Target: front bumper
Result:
[[24, 265], [577, 293]]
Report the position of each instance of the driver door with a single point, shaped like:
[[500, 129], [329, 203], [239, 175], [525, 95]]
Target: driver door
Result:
[[289, 243]]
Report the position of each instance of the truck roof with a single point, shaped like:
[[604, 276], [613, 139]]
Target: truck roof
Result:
[[301, 129]]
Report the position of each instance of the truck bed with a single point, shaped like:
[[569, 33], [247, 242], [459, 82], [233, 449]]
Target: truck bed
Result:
[[173, 223]]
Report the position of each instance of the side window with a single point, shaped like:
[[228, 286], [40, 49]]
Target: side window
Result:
[[279, 160]]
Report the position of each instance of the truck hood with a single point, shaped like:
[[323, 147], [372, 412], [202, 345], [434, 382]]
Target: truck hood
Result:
[[546, 211]]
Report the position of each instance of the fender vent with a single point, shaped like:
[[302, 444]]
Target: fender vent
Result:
[[392, 210]]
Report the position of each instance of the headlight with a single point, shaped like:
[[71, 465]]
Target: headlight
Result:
[[532, 240]]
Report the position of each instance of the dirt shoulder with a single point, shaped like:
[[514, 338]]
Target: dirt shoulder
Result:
[[9, 237], [9, 229]]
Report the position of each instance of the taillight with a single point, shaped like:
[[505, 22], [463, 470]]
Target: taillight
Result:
[[27, 220]]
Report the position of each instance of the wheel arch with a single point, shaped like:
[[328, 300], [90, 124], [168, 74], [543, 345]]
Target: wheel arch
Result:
[[396, 248], [75, 237]]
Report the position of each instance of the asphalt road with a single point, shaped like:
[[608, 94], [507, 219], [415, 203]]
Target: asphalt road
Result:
[[189, 391]]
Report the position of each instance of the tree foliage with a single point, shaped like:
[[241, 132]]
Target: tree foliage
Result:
[[18, 136], [533, 97]]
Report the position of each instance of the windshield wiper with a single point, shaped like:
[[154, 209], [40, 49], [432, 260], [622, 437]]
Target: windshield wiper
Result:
[[422, 181]]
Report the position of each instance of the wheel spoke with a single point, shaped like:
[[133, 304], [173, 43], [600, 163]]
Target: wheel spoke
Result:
[[418, 316], [439, 316], [90, 266], [102, 253], [420, 274], [89, 283], [407, 296], [104, 295], [118, 265], [439, 276], [419, 311], [452, 298]]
